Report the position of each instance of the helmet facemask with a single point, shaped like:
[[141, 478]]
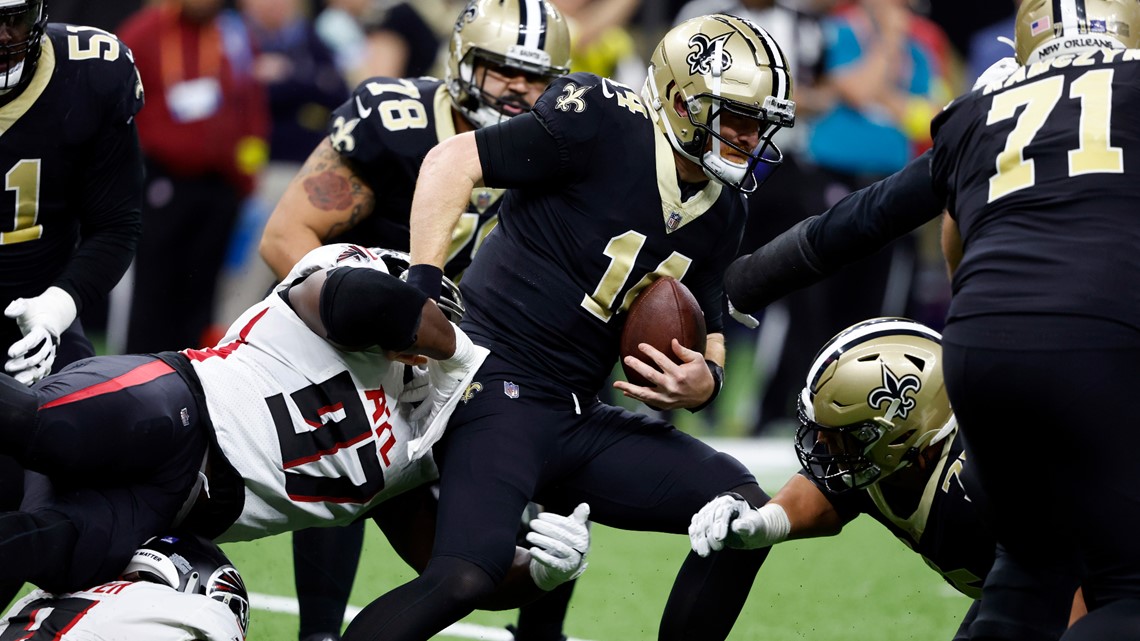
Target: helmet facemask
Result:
[[484, 108], [504, 37], [705, 112], [450, 301], [24, 22]]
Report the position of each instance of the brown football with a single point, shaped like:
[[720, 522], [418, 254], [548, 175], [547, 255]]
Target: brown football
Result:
[[664, 310]]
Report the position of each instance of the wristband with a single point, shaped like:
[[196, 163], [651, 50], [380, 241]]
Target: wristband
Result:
[[426, 278], [718, 382]]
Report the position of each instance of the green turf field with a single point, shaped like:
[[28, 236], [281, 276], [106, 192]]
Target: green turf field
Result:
[[863, 584]]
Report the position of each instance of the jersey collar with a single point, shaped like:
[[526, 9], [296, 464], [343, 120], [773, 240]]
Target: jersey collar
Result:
[[13, 111], [915, 524], [677, 213], [444, 125]]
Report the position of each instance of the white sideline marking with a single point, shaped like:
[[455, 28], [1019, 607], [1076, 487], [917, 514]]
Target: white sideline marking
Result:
[[763, 456]]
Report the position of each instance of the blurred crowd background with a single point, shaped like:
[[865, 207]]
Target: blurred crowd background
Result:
[[869, 75]]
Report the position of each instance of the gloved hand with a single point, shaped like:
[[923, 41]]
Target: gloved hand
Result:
[[417, 389], [561, 544], [41, 319], [997, 72], [729, 519], [747, 320], [447, 380]]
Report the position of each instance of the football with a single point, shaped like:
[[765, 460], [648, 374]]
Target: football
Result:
[[664, 310]]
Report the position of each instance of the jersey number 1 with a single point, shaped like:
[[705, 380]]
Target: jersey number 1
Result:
[[622, 251], [1095, 155], [24, 179]]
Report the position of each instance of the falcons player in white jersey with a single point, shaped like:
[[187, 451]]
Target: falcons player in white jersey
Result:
[[300, 416], [176, 588]]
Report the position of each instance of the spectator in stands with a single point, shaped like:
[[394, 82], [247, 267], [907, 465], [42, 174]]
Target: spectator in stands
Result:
[[203, 136]]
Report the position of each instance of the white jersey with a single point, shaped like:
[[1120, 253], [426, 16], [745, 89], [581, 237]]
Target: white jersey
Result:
[[313, 430], [119, 611]]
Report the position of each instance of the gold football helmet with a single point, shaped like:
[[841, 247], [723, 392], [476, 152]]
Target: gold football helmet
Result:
[[1086, 24], [525, 35], [711, 65], [874, 400]]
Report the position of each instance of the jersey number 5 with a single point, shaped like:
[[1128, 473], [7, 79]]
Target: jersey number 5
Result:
[[1095, 155]]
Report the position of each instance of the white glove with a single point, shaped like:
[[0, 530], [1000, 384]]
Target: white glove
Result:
[[747, 320], [561, 544], [41, 319], [417, 389], [997, 72], [751, 528], [448, 379]]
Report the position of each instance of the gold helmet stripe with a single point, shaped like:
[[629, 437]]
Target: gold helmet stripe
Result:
[[532, 24]]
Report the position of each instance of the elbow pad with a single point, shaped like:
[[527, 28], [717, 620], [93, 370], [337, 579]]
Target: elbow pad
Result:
[[785, 264], [363, 307]]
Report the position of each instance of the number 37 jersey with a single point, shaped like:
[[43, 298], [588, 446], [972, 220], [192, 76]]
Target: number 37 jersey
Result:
[[314, 431], [1040, 173]]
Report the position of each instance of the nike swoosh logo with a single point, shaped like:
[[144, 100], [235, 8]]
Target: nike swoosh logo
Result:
[[364, 113]]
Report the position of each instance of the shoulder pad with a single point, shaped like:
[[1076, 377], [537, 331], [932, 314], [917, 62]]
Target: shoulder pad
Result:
[[586, 100], [103, 62]]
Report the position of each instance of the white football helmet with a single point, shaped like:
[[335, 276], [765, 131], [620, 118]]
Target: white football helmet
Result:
[[714, 64]]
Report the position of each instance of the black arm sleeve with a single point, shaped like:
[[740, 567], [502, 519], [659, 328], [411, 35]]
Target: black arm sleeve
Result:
[[857, 226], [363, 307], [519, 152], [111, 216]]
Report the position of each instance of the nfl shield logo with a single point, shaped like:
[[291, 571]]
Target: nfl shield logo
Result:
[[1040, 25], [1098, 26], [674, 220], [510, 389]]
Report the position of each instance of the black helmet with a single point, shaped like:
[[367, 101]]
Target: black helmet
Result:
[[195, 565]]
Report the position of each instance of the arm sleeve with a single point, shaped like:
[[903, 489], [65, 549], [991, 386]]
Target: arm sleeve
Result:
[[855, 227], [519, 152], [110, 216]]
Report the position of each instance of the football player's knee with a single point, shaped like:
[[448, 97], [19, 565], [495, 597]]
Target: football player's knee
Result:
[[461, 581], [18, 414], [364, 307]]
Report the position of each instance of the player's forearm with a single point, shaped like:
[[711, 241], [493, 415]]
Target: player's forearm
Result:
[[808, 510], [714, 349], [449, 173], [284, 242]]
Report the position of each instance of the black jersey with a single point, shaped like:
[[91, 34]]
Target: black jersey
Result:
[[550, 287], [384, 130], [1040, 173], [944, 528], [71, 165]]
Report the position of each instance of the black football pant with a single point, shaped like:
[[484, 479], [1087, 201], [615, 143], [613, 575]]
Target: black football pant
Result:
[[122, 442], [519, 439], [1047, 407]]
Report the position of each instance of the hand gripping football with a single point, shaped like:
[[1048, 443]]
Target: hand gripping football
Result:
[[664, 310]]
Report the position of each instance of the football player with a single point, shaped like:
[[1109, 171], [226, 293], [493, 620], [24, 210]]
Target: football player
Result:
[[1044, 323], [609, 190], [877, 436], [357, 187], [178, 587], [300, 417]]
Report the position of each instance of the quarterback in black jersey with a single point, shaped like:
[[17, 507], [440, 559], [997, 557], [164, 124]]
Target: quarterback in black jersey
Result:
[[357, 187], [71, 217], [877, 437], [607, 191]]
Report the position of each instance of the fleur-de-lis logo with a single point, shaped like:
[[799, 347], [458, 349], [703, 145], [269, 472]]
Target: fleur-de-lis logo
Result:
[[572, 98], [341, 138], [894, 393], [467, 16], [700, 59], [471, 391]]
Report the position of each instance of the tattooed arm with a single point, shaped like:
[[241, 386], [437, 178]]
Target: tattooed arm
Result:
[[324, 199]]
